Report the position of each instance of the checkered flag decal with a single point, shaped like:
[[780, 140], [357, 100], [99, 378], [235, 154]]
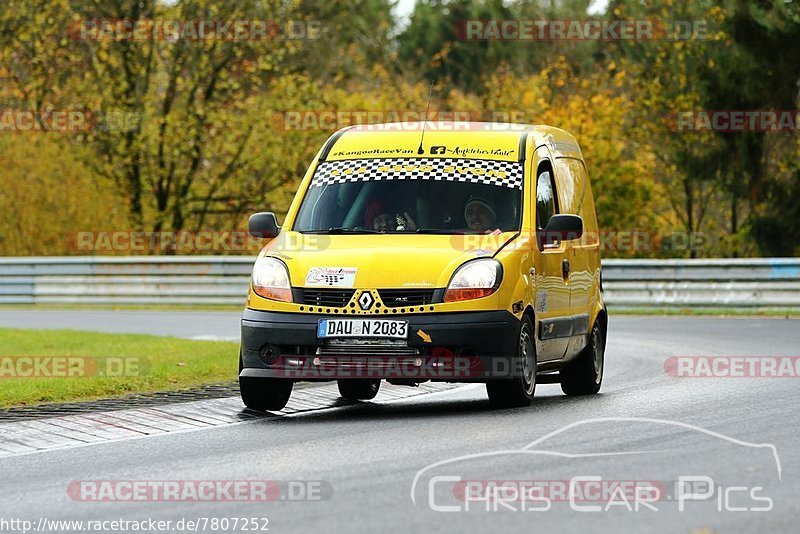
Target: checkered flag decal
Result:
[[476, 171]]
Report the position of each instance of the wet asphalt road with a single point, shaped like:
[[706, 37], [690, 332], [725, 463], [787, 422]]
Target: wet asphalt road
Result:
[[406, 465]]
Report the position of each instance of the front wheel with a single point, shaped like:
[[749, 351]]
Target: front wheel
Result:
[[520, 389], [584, 376], [265, 394], [359, 388]]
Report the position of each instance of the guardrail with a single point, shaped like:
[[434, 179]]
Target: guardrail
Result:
[[125, 279], [721, 283]]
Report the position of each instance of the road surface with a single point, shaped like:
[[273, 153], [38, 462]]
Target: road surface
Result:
[[395, 464]]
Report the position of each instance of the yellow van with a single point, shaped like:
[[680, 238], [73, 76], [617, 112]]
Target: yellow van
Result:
[[411, 253]]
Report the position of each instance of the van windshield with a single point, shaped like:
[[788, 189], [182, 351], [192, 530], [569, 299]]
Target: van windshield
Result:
[[447, 196]]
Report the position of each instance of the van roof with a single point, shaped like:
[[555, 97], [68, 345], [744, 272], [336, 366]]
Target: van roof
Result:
[[473, 140]]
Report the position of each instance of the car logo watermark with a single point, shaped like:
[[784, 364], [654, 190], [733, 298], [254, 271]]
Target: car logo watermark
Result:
[[448, 487]]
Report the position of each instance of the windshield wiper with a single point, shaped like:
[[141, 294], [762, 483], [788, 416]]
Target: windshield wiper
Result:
[[340, 230], [451, 232], [437, 231]]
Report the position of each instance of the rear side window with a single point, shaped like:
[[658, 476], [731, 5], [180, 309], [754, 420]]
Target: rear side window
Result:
[[586, 206], [546, 205], [572, 173]]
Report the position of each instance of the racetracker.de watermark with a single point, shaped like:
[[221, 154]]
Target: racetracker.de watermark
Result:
[[194, 30], [397, 120], [733, 366], [186, 242], [735, 121], [71, 366], [441, 365], [581, 30], [69, 121], [236, 241], [608, 241], [199, 490]]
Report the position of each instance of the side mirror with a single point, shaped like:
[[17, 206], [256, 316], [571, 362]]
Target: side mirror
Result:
[[263, 225], [563, 227]]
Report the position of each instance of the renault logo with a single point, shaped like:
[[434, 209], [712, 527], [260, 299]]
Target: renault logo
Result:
[[365, 301]]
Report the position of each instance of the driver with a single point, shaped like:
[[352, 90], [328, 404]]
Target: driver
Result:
[[378, 218]]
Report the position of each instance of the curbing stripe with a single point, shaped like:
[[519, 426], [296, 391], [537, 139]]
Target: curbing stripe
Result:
[[81, 430]]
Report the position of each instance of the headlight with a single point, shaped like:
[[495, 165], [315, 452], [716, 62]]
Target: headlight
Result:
[[271, 280], [474, 279]]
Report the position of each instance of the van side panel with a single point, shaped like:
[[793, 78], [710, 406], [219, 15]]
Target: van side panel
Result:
[[551, 292], [583, 254], [590, 243]]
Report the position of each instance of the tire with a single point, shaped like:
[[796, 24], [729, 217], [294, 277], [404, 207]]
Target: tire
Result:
[[264, 394], [519, 390], [584, 376], [359, 388]]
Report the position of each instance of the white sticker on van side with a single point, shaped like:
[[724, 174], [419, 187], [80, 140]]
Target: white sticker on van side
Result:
[[331, 277], [476, 171], [541, 301]]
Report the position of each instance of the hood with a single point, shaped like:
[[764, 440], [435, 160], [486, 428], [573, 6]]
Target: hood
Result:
[[379, 261]]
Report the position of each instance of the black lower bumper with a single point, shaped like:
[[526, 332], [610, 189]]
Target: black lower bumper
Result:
[[456, 347]]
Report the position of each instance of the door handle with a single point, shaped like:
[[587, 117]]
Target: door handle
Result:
[[565, 268]]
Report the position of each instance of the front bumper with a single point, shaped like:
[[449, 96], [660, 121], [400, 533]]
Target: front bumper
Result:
[[463, 347]]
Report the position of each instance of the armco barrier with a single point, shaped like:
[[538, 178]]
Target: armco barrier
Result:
[[718, 283], [125, 280], [723, 283]]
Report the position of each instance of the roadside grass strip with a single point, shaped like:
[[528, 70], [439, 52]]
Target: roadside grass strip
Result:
[[39, 366]]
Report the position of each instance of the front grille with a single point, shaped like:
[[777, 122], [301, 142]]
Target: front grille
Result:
[[364, 347], [397, 298], [333, 298], [366, 364], [375, 350]]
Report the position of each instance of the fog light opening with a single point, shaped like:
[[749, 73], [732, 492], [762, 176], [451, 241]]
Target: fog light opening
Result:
[[269, 354]]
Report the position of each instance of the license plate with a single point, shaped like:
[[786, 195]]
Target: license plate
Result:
[[369, 328]]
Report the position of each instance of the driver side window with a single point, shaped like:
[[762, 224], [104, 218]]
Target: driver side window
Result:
[[546, 205]]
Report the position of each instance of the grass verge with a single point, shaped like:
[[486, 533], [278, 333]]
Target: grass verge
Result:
[[39, 366]]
